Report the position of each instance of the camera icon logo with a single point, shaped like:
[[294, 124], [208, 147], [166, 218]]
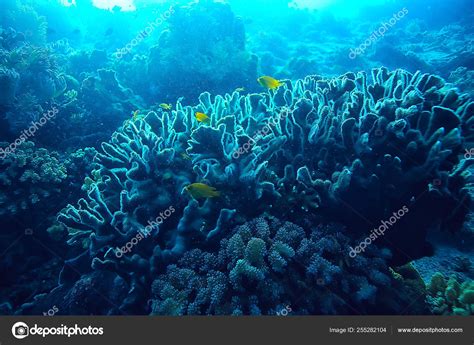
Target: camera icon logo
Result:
[[20, 330]]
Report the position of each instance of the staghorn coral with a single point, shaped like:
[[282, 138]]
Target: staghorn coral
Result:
[[266, 264], [391, 136]]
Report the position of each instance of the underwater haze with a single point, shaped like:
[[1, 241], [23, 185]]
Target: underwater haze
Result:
[[241, 157]]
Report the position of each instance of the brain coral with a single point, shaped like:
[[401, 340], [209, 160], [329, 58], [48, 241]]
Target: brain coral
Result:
[[394, 137]]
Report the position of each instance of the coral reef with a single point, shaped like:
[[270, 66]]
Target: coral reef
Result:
[[323, 42], [90, 108], [451, 297], [304, 153], [32, 180], [34, 184], [203, 50], [25, 19], [266, 264], [300, 174], [30, 177], [392, 136], [38, 70], [9, 84], [104, 95], [463, 78]]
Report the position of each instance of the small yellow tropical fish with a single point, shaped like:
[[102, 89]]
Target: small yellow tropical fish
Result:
[[166, 106], [185, 156], [240, 89], [135, 114], [201, 190], [201, 117], [269, 82]]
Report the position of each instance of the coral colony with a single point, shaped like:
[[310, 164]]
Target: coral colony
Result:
[[173, 177]]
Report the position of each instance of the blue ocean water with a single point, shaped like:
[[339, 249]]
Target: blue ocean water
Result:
[[261, 157]]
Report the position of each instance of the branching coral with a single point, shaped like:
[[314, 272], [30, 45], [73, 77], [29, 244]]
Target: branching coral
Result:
[[34, 80], [393, 137], [29, 178], [33, 181], [267, 264], [78, 165]]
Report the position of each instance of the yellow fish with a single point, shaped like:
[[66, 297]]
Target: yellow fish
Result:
[[166, 106], [135, 115], [269, 82], [240, 89], [201, 190], [201, 117]]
